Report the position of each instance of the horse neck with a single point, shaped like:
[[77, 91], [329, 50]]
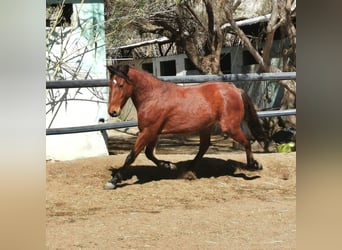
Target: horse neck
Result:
[[144, 86]]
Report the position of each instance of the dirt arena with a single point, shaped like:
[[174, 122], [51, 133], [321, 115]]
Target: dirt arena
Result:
[[227, 207]]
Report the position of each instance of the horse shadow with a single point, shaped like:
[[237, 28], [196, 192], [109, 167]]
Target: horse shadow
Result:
[[208, 167]]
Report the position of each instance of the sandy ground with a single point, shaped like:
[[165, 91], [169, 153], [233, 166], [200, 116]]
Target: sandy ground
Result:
[[227, 207]]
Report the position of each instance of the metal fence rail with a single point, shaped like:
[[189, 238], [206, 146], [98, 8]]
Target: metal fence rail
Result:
[[176, 79], [179, 79], [90, 128], [116, 125]]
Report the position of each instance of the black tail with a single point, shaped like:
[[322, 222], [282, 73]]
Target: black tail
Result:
[[252, 119]]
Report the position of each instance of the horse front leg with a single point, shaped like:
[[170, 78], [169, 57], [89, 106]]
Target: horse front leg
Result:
[[149, 152], [122, 173]]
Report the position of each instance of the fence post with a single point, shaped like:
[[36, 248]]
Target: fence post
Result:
[[104, 133]]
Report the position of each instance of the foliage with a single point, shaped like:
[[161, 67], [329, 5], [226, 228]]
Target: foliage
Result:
[[120, 14], [194, 26], [286, 147], [65, 51]]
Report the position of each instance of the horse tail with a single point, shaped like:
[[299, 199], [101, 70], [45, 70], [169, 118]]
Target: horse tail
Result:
[[252, 119]]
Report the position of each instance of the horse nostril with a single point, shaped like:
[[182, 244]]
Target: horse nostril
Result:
[[114, 114]]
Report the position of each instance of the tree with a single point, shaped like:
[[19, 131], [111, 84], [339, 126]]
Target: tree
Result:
[[196, 26], [281, 18], [120, 14]]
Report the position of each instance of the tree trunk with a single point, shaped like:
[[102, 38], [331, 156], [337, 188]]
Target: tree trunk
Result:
[[280, 18]]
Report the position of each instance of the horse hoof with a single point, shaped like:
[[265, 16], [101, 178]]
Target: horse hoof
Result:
[[255, 166], [109, 186]]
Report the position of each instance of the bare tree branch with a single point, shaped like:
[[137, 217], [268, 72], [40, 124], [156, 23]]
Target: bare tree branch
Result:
[[246, 41]]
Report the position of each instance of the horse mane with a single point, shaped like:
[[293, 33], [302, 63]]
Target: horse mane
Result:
[[145, 73], [134, 75]]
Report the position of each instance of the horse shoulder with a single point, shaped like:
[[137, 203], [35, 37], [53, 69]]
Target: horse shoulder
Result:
[[152, 109]]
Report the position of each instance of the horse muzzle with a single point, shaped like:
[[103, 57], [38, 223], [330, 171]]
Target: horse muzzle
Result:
[[115, 113]]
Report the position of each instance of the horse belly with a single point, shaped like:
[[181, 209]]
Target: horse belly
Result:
[[188, 123]]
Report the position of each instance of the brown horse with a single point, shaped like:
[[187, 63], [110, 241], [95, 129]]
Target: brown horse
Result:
[[164, 108]]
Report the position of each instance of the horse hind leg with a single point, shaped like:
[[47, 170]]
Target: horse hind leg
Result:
[[149, 152], [238, 135], [204, 145]]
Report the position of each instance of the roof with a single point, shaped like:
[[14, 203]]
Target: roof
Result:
[[160, 40]]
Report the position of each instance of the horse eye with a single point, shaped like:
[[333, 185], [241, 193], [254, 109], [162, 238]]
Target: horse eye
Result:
[[121, 86]]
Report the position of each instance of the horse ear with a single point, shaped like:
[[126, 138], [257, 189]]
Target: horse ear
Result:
[[111, 69], [124, 70], [121, 71]]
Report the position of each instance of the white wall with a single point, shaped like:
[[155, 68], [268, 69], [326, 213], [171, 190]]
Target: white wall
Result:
[[83, 54]]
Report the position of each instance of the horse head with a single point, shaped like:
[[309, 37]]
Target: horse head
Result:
[[120, 89]]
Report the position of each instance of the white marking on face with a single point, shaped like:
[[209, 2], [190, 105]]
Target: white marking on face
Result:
[[115, 82]]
